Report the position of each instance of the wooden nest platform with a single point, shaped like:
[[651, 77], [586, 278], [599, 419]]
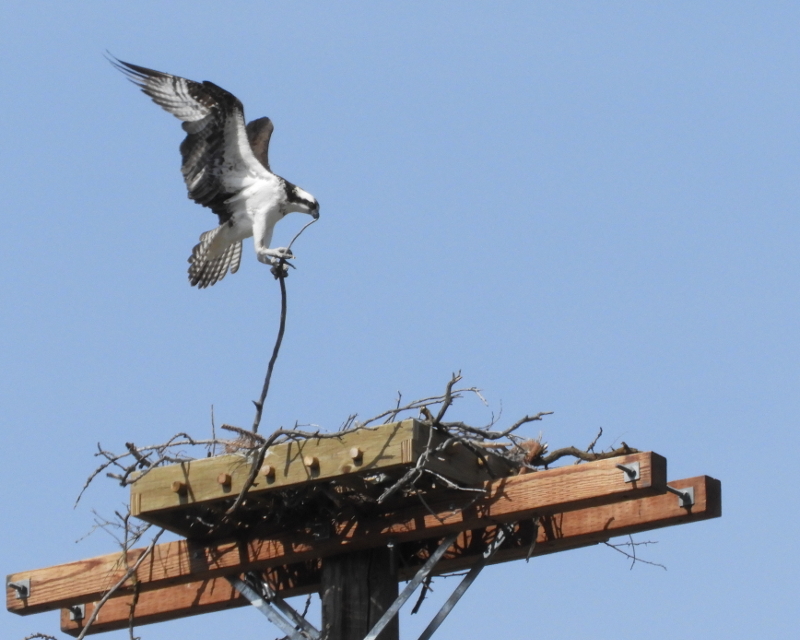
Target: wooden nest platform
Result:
[[306, 482]]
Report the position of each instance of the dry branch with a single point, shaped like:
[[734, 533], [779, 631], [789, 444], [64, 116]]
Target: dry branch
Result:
[[280, 271], [130, 572], [620, 548]]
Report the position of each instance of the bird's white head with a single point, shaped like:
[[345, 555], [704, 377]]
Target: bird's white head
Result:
[[301, 201]]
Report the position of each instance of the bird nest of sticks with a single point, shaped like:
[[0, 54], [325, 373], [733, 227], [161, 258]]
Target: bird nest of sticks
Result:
[[312, 507]]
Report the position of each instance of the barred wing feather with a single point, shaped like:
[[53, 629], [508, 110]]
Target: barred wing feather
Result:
[[216, 153]]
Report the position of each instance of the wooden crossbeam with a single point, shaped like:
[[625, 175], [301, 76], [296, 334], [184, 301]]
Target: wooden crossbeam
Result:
[[506, 500], [557, 532], [180, 601]]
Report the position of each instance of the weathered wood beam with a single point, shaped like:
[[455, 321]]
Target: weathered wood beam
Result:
[[180, 601], [558, 532], [506, 500]]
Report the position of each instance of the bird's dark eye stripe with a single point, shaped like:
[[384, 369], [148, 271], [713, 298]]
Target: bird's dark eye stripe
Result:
[[296, 197]]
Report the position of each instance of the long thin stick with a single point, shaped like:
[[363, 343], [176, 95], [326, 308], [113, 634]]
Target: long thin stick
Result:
[[275, 350], [279, 272], [120, 582]]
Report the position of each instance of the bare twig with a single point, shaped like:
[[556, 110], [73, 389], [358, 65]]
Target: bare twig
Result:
[[534, 538], [297, 235], [255, 438], [251, 478], [132, 613], [584, 455], [426, 586], [394, 413], [308, 604], [131, 571], [141, 459], [348, 423], [596, 438], [618, 547], [420, 404], [448, 398], [495, 435], [281, 275], [280, 435], [211, 448], [412, 475]]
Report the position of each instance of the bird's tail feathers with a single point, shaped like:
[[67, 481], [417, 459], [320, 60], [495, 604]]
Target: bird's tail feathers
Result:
[[210, 262]]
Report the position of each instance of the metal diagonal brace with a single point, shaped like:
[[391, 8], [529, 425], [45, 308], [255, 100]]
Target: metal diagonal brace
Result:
[[461, 589], [273, 607], [268, 594], [417, 580]]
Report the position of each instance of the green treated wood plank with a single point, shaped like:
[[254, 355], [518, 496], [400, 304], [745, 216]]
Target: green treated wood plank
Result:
[[392, 447]]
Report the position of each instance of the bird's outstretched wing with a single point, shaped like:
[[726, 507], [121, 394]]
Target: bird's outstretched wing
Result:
[[217, 157]]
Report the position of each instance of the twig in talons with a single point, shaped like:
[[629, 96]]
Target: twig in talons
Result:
[[281, 269], [297, 235], [275, 350]]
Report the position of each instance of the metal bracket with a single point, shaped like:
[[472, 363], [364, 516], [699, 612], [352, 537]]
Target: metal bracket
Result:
[[412, 585], [631, 471], [22, 588], [269, 595], [77, 612], [272, 606], [447, 607], [685, 496]]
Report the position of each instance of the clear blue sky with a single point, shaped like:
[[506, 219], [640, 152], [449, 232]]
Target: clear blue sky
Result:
[[589, 208]]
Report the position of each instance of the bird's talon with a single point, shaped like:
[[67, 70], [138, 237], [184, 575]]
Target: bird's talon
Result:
[[280, 270]]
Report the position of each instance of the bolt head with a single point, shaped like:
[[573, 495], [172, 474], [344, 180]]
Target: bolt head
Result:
[[268, 471]]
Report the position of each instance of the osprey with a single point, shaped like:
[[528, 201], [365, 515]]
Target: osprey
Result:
[[226, 168]]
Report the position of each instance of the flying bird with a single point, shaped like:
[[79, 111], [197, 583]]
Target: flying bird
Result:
[[226, 168]]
